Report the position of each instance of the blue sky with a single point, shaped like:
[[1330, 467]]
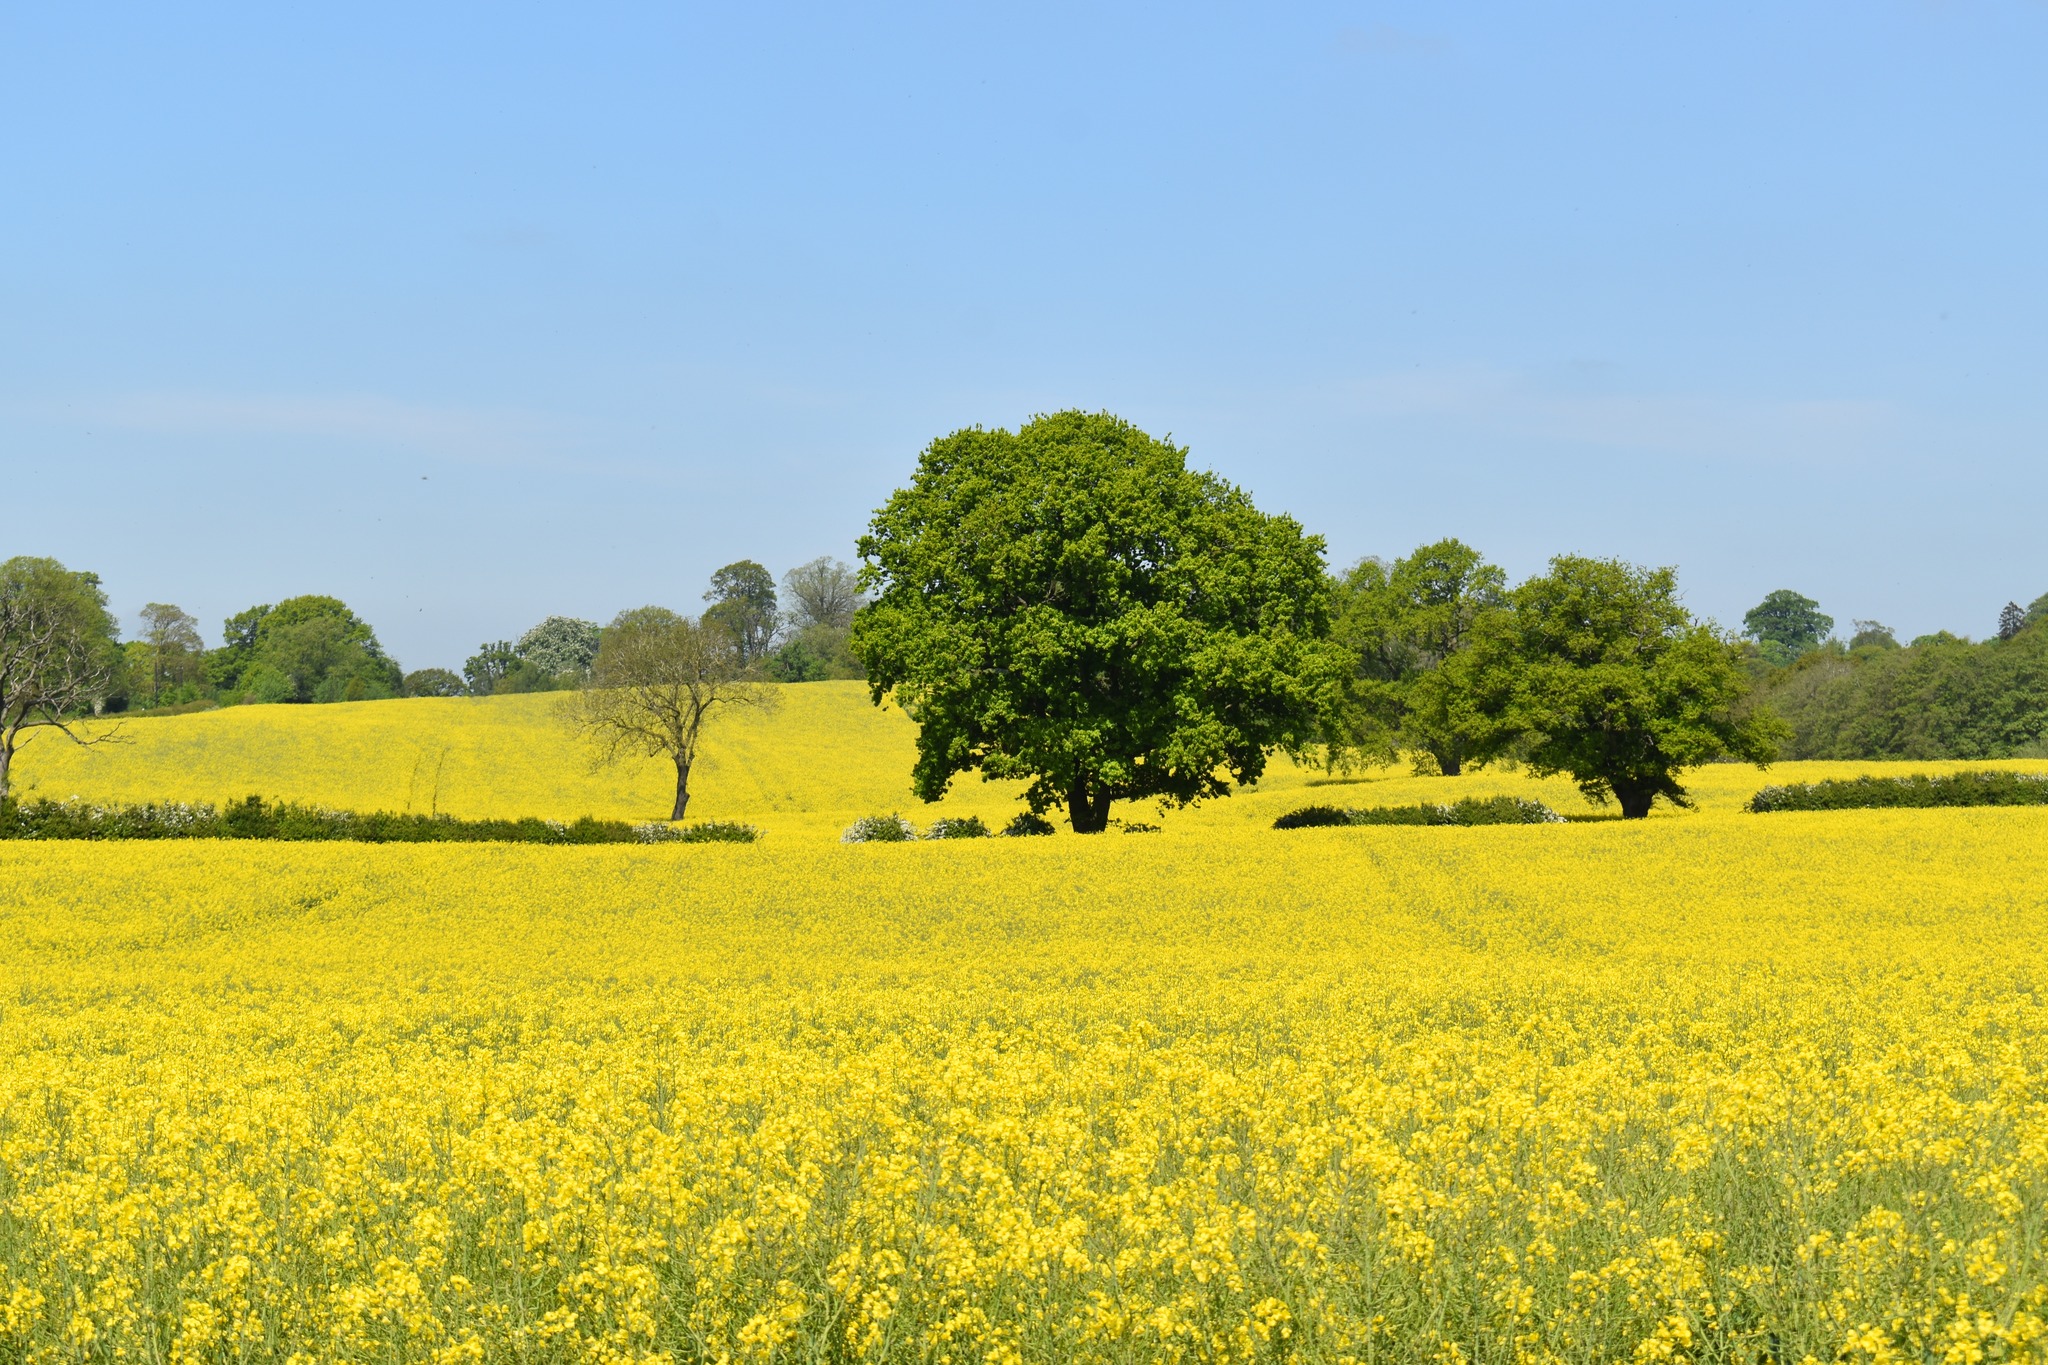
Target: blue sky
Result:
[[474, 314]]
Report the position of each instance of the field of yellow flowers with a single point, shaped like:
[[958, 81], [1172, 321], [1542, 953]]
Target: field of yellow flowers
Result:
[[824, 757], [1711, 1087]]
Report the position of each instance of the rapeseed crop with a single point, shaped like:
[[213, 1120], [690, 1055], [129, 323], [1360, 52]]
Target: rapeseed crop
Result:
[[823, 759], [1718, 1088]]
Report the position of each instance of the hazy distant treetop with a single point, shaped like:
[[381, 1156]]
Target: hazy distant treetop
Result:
[[1789, 619], [1873, 633], [168, 627], [170, 634], [824, 592], [2011, 621], [560, 644]]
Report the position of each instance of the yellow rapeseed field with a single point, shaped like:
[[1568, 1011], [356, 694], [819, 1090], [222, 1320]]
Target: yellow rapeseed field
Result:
[[823, 758], [1710, 1087]]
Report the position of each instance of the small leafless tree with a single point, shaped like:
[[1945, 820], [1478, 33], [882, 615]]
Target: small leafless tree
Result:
[[656, 679], [54, 669]]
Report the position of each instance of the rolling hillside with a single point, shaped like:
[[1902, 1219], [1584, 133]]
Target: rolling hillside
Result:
[[823, 758]]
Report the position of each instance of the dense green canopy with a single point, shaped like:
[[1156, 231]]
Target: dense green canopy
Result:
[[1598, 671], [310, 648], [1070, 604]]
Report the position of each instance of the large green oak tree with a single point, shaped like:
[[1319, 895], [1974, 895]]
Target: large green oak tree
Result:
[[1069, 603]]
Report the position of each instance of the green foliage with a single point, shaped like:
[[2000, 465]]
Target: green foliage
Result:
[[1596, 670], [304, 649], [958, 827], [325, 651], [797, 662], [1314, 817], [253, 818], [712, 832], [1873, 635], [73, 602], [1941, 698], [170, 654], [58, 653], [262, 684], [240, 630], [742, 598], [181, 708], [1400, 624], [433, 682], [1473, 810], [1788, 621], [527, 676], [1070, 604], [226, 666], [489, 666], [1027, 824], [501, 668], [2037, 610], [817, 653], [1918, 791]]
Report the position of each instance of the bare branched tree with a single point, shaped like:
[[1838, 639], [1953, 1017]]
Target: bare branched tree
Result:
[[56, 659], [656, 679]]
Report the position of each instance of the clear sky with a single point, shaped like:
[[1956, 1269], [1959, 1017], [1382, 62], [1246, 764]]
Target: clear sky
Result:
[[473, 314]]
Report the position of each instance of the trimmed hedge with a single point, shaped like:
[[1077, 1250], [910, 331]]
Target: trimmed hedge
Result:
[[1918, 792], [254, 818], [1473, 810]]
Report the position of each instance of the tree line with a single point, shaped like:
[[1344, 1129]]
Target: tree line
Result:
[[315, 649], [62, 659], [1868, 696], [797, 635], [1070, 605]]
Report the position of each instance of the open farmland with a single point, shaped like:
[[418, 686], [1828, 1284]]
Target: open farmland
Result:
[[1707, 1087], [823, 758]]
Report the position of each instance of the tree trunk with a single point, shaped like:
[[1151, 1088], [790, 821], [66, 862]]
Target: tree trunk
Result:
[[1447, 762], [1088, 811], [1635, 799], [682, 790], [6, 762]]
